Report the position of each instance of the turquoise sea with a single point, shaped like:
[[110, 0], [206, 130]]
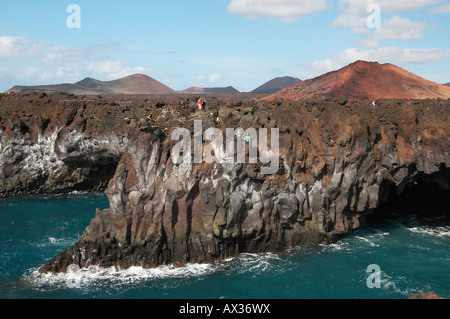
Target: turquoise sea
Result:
[[413, 254]]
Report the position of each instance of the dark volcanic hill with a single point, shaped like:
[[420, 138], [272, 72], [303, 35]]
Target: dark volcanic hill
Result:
[[133, 84], [217, 90], [366, 80], [276, 85], [448, 84]]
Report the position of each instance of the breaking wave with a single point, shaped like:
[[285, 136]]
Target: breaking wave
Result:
[[77, 277], [441, 232]]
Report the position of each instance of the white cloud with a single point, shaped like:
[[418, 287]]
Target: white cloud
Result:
[[355, 15], [29, 76], [38, 62], [444, 8], [19, 48], [204, 79], [214, 77], [354, 12], [381, 55], [200, 77], [113, 69], [286, 10], [355, 21], [359, 7], [395, 28]]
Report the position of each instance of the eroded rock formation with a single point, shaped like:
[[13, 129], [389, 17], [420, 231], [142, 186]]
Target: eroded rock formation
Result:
[[58, 143], [338, 160]]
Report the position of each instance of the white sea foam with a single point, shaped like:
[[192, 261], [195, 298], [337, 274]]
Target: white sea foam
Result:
[[339, 246], [52, 241], [77, 277], [79, 193], [367, 240], [435, 231], [252, 256], [389, 283], [256, 263], [373, 239]]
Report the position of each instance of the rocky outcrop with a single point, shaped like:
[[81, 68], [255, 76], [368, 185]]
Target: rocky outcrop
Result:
[[338, 161], [426, 295]]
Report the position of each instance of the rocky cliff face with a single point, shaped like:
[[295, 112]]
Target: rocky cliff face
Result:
[[56, 143], [338, 161]]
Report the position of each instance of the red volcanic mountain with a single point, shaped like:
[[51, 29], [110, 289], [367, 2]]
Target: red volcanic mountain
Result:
[[217, 90], [133, 84], [366, 80]]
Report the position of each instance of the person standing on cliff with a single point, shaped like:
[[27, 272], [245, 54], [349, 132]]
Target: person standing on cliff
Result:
[[200, 103]]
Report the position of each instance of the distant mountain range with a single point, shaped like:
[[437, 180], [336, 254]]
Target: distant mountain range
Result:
[[359, 80], [143, 84], [217, 90], [366, 80], [133, 84], [276, 85]]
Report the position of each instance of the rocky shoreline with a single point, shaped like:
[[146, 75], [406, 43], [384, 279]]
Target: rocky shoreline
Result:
[[339, 160]]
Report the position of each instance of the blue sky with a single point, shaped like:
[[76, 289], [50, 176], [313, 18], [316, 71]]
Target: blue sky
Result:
[[211, 43]]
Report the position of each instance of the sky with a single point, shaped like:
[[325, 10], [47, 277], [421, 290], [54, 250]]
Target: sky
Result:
[[217, 43]]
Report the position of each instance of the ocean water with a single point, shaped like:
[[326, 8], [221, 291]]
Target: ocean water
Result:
[[412, 253]]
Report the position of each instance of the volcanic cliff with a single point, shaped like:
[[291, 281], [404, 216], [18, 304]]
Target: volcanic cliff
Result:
[[339, 160]]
